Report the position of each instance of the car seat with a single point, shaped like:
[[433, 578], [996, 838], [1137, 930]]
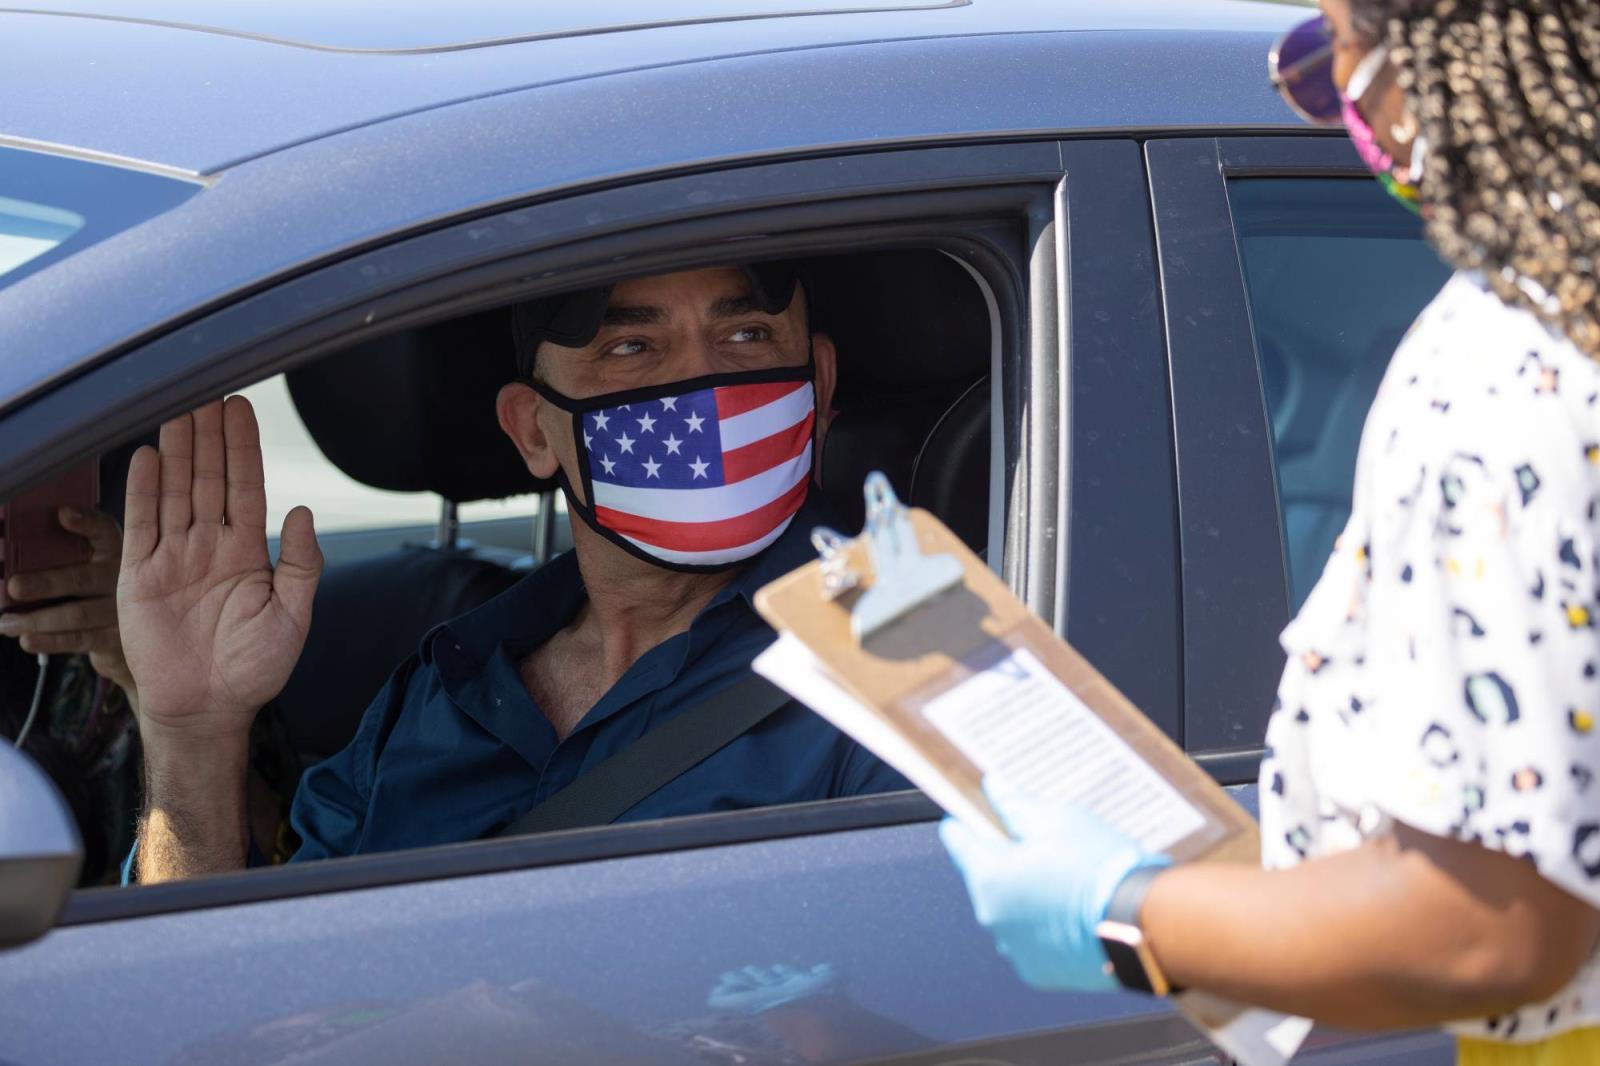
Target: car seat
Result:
[[412, 412], [913, 333]]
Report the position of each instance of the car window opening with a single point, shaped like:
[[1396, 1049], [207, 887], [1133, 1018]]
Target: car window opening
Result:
[[425, 512]]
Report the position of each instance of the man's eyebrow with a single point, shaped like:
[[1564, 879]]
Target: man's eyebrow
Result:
[[734, 306], [623, 315]]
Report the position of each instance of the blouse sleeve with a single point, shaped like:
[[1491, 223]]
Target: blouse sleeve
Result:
[[1482, 687]]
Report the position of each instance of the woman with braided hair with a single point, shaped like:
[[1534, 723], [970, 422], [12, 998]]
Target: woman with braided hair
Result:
[[1430, 814], [1495, 104]]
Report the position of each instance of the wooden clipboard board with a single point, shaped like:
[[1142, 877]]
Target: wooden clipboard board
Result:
[[938, 644]]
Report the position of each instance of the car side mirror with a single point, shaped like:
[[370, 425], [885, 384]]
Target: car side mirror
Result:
[[40, 852]]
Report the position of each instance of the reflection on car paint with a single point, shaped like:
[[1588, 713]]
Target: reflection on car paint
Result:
[[777, 1015]]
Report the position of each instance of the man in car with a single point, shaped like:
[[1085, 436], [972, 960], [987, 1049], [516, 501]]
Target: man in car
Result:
[[682, 415]]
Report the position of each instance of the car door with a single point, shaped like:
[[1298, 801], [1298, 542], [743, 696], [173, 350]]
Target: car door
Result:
[[1288, 277], [617, 944]]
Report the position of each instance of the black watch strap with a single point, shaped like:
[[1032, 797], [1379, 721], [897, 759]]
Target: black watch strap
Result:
[[1129, 952], [1129, 896]]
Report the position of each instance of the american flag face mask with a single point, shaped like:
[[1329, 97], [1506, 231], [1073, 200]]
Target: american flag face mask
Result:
[[695, 475]]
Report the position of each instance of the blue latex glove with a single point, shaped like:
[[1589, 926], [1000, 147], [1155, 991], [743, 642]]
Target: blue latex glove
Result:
[[1042, 894], [755, 989]]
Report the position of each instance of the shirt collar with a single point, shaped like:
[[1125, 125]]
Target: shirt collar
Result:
[[537, 607], [522, 617], [466, 651]]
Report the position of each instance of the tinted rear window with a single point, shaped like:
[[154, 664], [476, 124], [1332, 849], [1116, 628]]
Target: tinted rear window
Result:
[[1335, 272], [53, 206]]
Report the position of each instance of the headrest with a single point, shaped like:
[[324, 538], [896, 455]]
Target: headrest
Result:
[[905, 318], [913, 334], [933, 447], [414, 412], [882, 432]]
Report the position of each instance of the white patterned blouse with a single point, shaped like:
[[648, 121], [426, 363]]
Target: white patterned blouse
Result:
[[1445, 671]]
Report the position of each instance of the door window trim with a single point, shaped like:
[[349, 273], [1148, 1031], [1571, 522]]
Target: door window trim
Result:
[[1117, 582], [476, 857], [1235, 588]]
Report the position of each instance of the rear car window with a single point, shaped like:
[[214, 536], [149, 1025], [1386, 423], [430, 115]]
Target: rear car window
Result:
[[52, 206], [356, 521], [29, 230], [1335, 272]]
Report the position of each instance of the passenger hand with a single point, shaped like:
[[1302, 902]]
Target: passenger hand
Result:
[[87, 623], [1042, 894], [210, 628]]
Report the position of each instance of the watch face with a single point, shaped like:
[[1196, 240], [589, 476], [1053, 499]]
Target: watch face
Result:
[[1126, 964]]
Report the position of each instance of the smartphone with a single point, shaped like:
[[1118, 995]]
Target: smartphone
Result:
[[31, 535]]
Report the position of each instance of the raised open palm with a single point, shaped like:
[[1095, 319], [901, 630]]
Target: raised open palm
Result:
[[210, 628]]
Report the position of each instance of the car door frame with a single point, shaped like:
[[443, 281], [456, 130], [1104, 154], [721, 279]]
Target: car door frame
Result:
[[1072, 388], [1117, 598], [888, 198], [1235, 584]]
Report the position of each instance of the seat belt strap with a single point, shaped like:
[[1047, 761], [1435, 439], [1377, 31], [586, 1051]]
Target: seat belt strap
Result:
[[665, 753]]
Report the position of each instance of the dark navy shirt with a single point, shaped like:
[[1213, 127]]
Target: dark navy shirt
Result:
[[454, 747]]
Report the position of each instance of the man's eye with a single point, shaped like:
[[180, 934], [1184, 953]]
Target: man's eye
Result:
[[630, 347], [748, 334]]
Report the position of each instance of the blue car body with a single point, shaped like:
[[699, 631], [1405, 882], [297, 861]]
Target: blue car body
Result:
[[315, 170]]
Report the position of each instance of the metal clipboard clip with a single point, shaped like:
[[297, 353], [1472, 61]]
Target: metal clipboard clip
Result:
[[903, 577]]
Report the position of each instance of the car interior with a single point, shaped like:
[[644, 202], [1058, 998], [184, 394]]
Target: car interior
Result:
[[412, 412]]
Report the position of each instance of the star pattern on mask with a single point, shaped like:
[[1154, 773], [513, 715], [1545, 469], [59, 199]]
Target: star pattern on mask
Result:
[[626, 455]]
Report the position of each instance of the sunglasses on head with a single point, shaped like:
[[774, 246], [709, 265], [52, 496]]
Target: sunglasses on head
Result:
[[1301, 68]]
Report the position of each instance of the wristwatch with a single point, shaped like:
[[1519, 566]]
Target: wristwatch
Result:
[[1132, 961]]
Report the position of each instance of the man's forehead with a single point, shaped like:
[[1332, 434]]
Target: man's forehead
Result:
[[681, 287], [572, 320]]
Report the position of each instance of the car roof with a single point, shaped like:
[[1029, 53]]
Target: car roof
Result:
[[201, 86], [308, 152]]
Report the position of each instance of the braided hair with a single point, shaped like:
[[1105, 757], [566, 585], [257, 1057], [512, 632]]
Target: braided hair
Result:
[[1507, 95]]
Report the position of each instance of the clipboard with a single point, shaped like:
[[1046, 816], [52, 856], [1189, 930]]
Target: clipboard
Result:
[[904, 626]]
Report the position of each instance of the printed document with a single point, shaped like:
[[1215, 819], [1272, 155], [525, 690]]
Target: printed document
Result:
[[1016, 720]]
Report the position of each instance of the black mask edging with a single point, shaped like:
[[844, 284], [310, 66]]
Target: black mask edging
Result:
[[578, 408]]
